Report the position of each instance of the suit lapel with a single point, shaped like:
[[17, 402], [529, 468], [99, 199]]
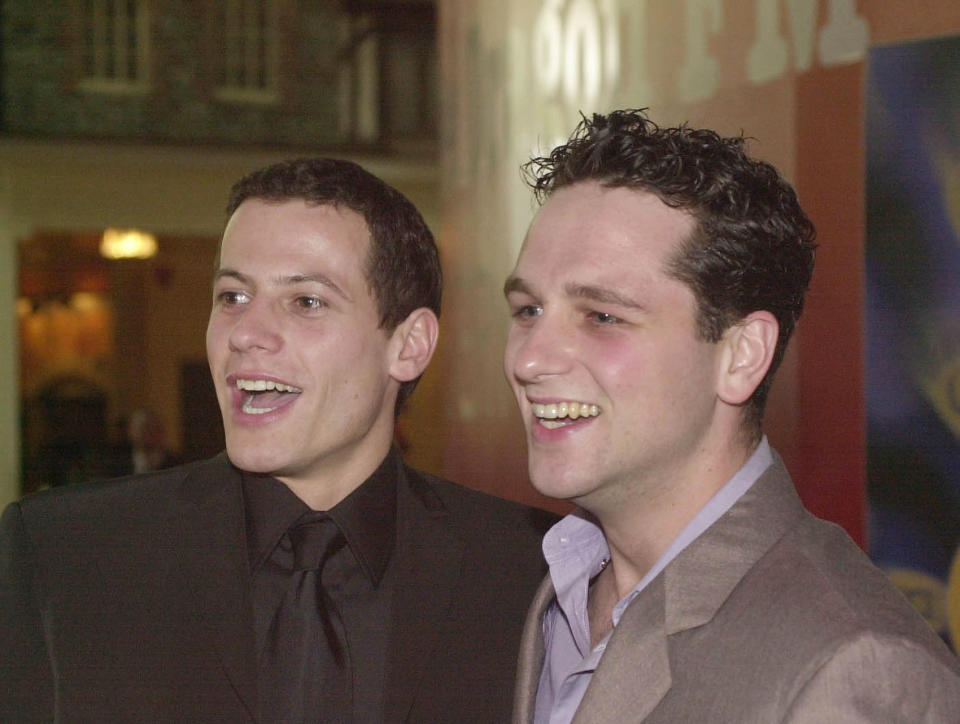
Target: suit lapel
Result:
[[215, 567], [532, 652], [703, 575], [429, 558], [634, 673]]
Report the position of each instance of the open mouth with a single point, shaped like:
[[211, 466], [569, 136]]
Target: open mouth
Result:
[[263, 396], [559, 414]]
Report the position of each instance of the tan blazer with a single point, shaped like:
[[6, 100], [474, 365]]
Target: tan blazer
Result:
[[772, 615]]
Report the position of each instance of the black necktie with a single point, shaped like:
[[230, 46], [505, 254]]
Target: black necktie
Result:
[[305, 663]]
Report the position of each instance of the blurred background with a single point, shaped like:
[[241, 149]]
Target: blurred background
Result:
[[123, 124]]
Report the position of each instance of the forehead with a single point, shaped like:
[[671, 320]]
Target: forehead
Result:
[[586, 227], [286, 230]]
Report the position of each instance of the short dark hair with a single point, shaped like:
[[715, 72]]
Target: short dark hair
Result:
[[403, 264], [752, 247]]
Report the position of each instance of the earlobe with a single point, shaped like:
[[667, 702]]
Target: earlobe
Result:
[[414, 341], [749, 347]]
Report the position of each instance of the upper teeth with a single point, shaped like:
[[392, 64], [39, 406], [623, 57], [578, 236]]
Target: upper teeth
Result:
[[264, 385], [573, 410]]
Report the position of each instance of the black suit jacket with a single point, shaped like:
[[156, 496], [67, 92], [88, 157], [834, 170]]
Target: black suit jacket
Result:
[[129, 600]]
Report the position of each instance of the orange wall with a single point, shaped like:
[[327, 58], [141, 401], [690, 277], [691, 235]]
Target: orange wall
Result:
[[830, 471]]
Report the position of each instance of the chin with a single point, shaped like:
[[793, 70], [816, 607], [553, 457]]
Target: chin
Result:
[[556, 486], [252, 462]]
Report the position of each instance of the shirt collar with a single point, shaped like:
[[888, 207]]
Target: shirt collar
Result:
[[366, 517], [576, 549], [270, 507]]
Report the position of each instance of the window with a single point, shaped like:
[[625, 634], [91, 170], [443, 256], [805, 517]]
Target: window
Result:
[[248, 69], [388, 73], [115, 46]]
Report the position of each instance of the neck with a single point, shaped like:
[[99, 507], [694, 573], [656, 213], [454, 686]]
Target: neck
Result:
[[641, 528], [338, 474]]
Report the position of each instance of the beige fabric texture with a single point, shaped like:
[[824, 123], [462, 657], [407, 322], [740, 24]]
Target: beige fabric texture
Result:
[[772, 615]]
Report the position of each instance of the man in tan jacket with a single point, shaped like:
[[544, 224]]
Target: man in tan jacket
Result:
[[652, 301]]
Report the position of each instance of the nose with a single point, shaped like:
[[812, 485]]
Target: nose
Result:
[[538, 349], [256, 329]]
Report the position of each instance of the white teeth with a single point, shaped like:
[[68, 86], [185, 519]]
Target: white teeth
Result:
[[249, 409], [569, 410], [264, 386], [260, 385]]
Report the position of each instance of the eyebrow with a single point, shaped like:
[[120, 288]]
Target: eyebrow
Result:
[[286, 280], [515, 284], [603, 295]]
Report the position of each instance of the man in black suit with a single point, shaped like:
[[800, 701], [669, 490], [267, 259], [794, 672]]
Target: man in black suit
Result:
[[190, 595]]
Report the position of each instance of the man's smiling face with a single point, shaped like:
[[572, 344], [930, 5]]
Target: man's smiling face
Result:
[[616, 391], [298, 358]]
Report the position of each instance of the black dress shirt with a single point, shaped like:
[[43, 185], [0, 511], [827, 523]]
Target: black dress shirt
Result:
[[355, 577]]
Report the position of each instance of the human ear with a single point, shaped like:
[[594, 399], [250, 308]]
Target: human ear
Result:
[[749, 346], [412, 344]]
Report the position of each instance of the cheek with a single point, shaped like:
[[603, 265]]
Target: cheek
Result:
[[643, 379], [218, 328], [350, 363], [614, 362]]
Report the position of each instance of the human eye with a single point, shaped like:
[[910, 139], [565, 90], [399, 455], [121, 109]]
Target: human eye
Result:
[[523, 312], [228, 298], [309, 303], [603, 318]]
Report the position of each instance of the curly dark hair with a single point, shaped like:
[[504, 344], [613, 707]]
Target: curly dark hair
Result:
[[403, 264], [752, 247]]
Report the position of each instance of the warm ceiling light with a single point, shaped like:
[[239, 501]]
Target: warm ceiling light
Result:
[[127, 244]]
